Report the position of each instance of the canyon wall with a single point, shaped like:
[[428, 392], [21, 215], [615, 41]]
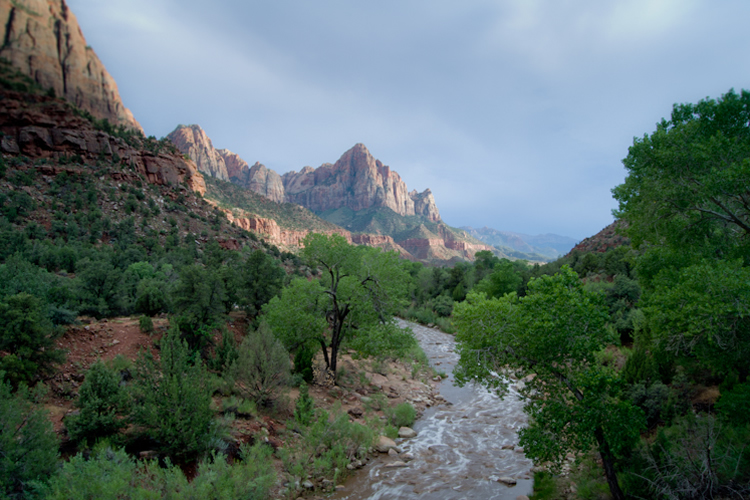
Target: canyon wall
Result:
[[43, 40]]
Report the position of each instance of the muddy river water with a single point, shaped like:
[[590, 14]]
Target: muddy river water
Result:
[[462, 449]]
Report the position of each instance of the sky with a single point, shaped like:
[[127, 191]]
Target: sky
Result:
[[515, 113]]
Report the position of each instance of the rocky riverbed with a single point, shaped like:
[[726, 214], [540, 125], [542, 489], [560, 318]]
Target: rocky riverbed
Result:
[[466, 446]]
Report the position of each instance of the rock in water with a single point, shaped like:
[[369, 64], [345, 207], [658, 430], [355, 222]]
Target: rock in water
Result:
[[406, 433]]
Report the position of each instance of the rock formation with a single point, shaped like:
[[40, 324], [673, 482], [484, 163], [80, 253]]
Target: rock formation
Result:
[[193, 141], [265, 182], [43, 40], [357, 181], [44, 127]]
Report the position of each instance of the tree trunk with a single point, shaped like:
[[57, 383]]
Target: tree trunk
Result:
[[609, 465]]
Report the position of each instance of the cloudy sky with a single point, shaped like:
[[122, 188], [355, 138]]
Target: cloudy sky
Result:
[[516, 113]]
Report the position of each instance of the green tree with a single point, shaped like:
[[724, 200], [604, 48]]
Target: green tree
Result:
[[102, 401], [687, 182], [260, 278], [198, 300], [28, 444], [171, 398], [27, 337], [504, 279], [553, 333], [361, 288]]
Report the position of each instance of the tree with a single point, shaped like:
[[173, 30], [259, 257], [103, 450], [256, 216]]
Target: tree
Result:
[[101, 400], [553, 333], [171, 398], [260, 278], [361, 288], [28, 444], [27, 337], [504, 279], [687, 183]]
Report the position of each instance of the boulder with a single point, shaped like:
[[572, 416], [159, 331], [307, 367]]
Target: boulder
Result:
[[406, 433], [384, 444]]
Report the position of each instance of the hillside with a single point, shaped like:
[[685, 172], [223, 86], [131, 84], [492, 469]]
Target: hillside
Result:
[[546, 246]]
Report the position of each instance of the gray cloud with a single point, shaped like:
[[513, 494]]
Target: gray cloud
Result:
[[515, 113]]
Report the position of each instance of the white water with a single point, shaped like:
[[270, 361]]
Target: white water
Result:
[[458, 451]]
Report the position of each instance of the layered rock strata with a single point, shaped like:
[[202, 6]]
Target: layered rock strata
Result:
[[357, 181], [45, 127], [43, 40]]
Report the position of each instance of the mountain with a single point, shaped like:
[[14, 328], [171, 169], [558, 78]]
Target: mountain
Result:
[[609, 237], [43, 40], [357, 181], [549, 246], [357, 196]]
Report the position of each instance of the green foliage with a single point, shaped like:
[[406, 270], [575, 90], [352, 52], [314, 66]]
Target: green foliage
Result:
[[327, 446], [360, 291], [504, 279], [640, 367], [686, 181], [198, 300], [552, 332], [303, 363], [110, 474], [697, 457], [28, 444], [734, 405], [304, 409], [703, 310], [102, 402], [28, 339], [262, 366], [171, 399], [146, 324], [260, 278], [402, 415]]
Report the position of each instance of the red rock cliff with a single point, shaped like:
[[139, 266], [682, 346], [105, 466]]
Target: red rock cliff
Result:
[[357, 181], [42, 39], [44, 127]]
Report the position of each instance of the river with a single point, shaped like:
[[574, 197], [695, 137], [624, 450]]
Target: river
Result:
[[463, 447]]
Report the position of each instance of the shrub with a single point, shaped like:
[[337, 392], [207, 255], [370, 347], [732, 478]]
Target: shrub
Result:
[[102, 400], [262, 366], [112, 474], [172, 399], [734, 405], [304, 410], [303, 363], [28, 445], [28, 338], [146, 324], [403, 415]]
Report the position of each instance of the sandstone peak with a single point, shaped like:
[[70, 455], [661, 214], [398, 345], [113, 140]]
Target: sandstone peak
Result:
[[193, 141], [357, 181], [43, 40]]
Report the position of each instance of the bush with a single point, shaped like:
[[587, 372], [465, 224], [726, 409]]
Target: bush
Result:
[[111, 475], [172, 399], [102, 401], [28, 444], [303, 363], [403, 415], [304, 410], [146, 324], [262, 366], [734, 405], [27, 337]]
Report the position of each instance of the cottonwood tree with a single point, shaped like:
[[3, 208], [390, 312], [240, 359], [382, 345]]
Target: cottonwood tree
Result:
[[360, 290], [688, 183], [553, 333]]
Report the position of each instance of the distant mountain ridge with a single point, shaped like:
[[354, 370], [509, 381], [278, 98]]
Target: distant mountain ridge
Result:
[[357, 180], [364, 198], [547, 245]]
